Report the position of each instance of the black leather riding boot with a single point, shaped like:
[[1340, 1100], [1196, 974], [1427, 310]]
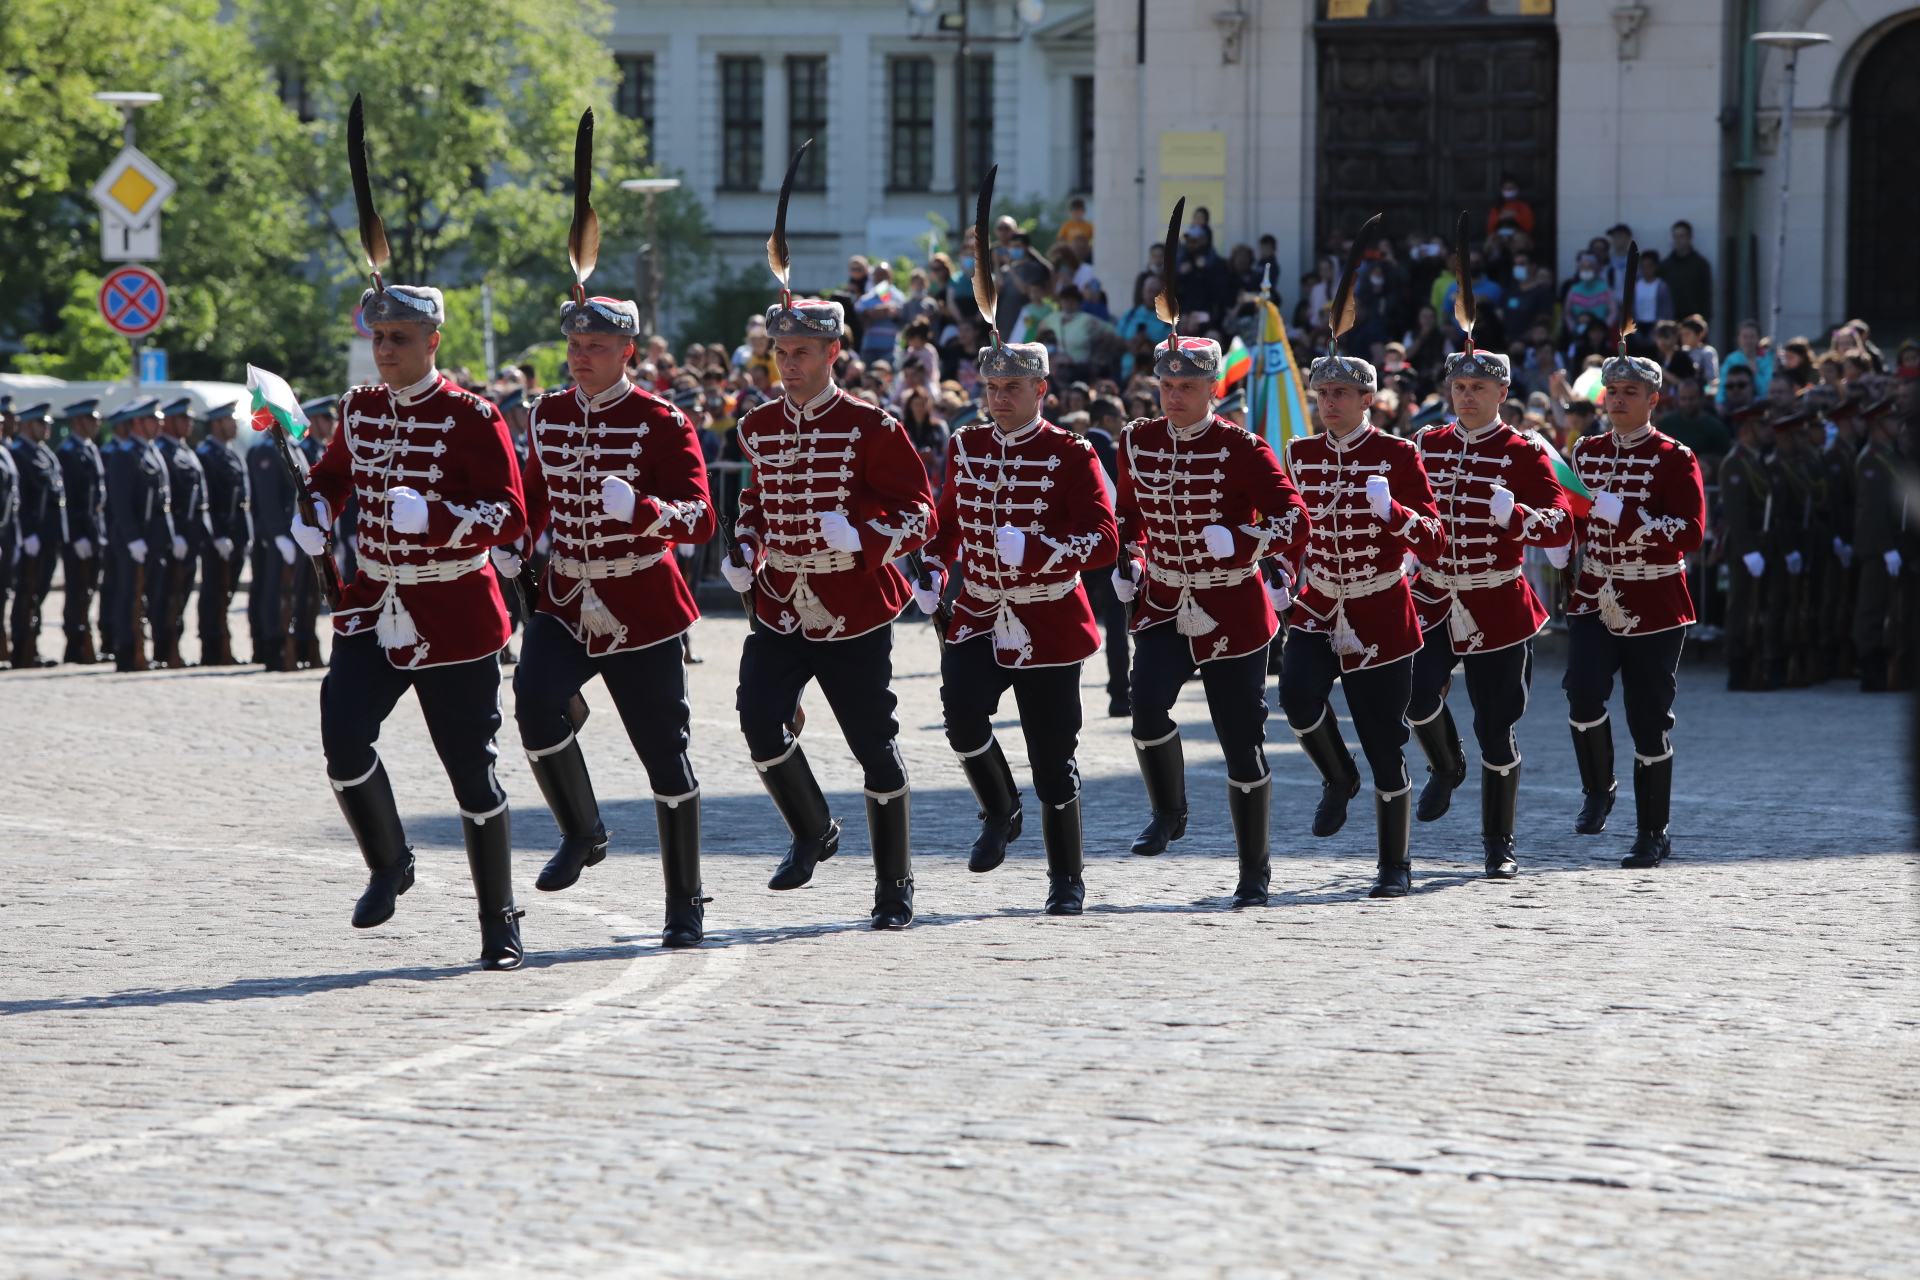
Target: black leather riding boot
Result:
[[1593, 750], [1060, 832], [374, 820], [679, 823], [490, 858], [562, 774], [1652, 798], [889, 830], [1251, 807], [1393, 821], [1000, 811], [1339, 775], [1499, 793], [1446, 764], [1163, 768], [816, 832]]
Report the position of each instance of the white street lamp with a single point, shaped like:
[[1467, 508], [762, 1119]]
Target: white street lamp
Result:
[[652, 189], [1791, 42]]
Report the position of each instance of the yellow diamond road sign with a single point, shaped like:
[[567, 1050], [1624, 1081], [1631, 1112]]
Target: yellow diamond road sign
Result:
[[133, 189]]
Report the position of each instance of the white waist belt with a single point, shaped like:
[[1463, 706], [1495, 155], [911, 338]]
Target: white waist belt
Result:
[[1202, 580], [412, 575], [624, 567], [813, 562], [1021, 595], [1635, 572], [1353, 591], [1469, 581]]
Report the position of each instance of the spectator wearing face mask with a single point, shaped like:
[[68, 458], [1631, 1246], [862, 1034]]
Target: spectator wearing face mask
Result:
[[1510, 205], [1589, 298]]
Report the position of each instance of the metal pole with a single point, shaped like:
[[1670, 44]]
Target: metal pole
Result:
[[486, 327], [657, 273], [1786, 178], [960, 131], [1140, 126]]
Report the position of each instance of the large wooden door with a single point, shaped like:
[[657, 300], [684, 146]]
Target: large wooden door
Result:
[[1420, 124], [1883, 254]]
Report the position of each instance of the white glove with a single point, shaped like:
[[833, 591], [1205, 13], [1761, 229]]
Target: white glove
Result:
[[1279, 597], [839, 535], [179, 547], [32, 544], [83, 547], [738, 576], [1795, 563], [1501, 506], [1126, 587], [406, 510], [929, 598], [543, 544], [1844, 552], [138, 550], [1755, 562], [505, 563], [286, 548], [1219, 540], [617, 494], [1379, 497], [1558, 556], [313, 540], [1010, 544], [223, 547], [1607, 507]]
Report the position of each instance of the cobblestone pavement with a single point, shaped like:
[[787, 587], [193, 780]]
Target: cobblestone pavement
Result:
[[1708, 1069]]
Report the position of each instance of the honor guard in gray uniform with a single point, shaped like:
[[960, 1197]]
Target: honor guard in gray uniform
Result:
[[140, 513], [83, 470], [187, 482], [230, 533], [43, 528], [270, 599]]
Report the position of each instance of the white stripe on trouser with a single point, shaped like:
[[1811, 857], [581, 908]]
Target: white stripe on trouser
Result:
[[1654, 759], [338, 785], [982, 750], [1590, 724], [674, 802], [1435, 716], [1157, 741], [480, 819], [1502, 769], [561, 745], [884, 796], [764, 765], [1301, 733], [1393, 795], [1247, 788]]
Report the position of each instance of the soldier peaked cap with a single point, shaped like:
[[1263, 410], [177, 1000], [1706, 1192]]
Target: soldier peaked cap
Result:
[[1490, 365], [183, 407], [1630, 369], [80, 409], [601, 315], [143, 407], [42, 412], [220, 411], [324, 406], [1345, 371], [404, 303], [807, 318], [1013, 360], [1179, 357]]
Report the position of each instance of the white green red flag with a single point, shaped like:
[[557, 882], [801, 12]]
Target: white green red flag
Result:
[[1237, 364], [274, 402], [1578, 496]]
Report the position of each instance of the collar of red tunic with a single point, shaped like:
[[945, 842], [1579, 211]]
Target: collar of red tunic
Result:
[[1019, 435], [814, 407], [1187, 435], [613, 395], [1353, 441], [418, 391], [1484, 433], [1633, 438]]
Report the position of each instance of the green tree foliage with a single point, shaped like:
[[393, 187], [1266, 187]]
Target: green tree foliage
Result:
[[85, 348]]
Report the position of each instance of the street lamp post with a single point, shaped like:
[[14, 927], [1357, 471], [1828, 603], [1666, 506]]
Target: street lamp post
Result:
[[1791, 42], [648, 274]]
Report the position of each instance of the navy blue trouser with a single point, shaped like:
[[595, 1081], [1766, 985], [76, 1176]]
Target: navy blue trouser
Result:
[[1377, 697], [971, 686], [460, 703], [1646, 666], [855, 675], [1497, 683], [1236, 696], [648, 685]]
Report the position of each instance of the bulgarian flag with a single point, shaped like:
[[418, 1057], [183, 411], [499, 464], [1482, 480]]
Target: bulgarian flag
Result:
[[1577, 495], [274, 402], [1238, 364]]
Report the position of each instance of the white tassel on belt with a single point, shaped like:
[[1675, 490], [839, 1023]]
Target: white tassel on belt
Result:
[[394, 628]]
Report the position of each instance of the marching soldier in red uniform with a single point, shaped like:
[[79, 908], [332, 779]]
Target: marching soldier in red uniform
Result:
[[1022, 513], [436, 483], [1203, 502], [616, 476], [1496, 496], [1355, 621], [1630, 608]]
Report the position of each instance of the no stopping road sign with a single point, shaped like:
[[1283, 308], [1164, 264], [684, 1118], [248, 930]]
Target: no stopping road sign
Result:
[[134, 301]]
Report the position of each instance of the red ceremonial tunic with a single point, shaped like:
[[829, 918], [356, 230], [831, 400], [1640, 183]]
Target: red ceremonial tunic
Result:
[[1353, 573], [616, 584], [1476, 586], [453, 448], [1045, 482], [1175, 483], [835, 454], [1633, 574]]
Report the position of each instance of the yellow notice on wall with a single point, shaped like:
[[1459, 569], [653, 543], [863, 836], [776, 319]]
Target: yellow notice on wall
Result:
[[1193, 155], [1350, 8], [1536, 8]]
